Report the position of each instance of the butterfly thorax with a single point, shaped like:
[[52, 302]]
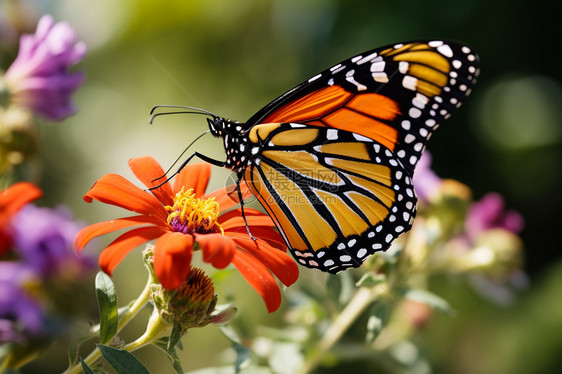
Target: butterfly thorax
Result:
[[235, 143]]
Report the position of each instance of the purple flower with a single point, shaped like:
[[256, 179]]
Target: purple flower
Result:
[[488, 213], [44, 239], [39, 79], [426, 182], [20, 316]]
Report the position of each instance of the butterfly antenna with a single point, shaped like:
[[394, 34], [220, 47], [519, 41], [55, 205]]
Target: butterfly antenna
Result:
[[186, 110]]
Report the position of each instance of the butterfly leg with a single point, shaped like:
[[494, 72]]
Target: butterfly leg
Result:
[[208, 159], [241, 198]]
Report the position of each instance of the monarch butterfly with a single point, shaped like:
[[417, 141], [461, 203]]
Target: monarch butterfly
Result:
[[332, 159]]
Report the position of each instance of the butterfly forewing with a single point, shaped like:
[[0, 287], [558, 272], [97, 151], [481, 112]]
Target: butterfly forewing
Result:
[[394, 95]]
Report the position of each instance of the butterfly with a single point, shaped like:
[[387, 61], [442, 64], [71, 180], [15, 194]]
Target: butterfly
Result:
[[332, 160]]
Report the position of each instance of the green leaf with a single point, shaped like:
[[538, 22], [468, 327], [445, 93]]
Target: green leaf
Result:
[[85, 368], [242, 353], [377, 320], [175, 337], [122, 361], [171, 354], [73, 353], [428, 298], [242, 356], [370, 280], [74, 348], [107, 303], [230, 334]]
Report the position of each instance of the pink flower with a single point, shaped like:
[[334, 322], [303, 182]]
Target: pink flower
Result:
[[39, 78], [426, 182], [488, 213]]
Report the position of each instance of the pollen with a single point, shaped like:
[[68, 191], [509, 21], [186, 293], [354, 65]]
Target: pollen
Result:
[[190, 215]]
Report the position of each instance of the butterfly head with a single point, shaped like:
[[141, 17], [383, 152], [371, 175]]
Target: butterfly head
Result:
[[234, 142], [220, 127]]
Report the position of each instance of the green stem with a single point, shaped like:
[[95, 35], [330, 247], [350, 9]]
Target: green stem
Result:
[[139, 303], [360, 301], [155, 329]]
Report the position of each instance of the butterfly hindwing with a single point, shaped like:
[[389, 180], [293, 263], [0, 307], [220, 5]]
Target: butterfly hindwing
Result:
[[336, 196]]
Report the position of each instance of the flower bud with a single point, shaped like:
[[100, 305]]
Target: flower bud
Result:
[[190, 305], [496, 252]]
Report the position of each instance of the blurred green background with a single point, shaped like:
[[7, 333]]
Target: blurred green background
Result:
[[233, 57]]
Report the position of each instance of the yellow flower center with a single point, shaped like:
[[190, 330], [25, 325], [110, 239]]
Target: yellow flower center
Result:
[[190, 214]]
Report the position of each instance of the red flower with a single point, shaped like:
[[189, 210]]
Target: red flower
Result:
[[12, 200], [179, 217]]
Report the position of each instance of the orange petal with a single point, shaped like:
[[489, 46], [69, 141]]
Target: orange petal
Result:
[[16, 196], [194, 176], [227, 197], [279, 262], [112, 255], [254, 217], [217, 249], [172, 259], [151, 174], [267, 234], [115, 190], [102, 228], [259, 278]]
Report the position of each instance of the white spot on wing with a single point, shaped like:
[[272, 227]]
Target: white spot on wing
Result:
[[315, 77], [332, 134], [360, 87], [414, 112], [380, 77], [410, 82], [445, 50], [378, 66], [420, 100], [362, 138], [336, 67], [367, 58]]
